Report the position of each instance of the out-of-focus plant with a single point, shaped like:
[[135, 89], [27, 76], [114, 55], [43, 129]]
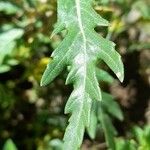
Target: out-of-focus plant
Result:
[[142, 136], [140, 141], [9, 145], [122, 144], [7, 44]]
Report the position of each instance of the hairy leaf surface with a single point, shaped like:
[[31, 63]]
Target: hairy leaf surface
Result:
[[81, 49]]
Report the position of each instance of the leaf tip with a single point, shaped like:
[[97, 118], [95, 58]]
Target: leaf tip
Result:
[[43, 81], [120, 76], [58, 28]]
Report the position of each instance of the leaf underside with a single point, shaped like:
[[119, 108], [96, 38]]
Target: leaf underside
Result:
[[81, 49]]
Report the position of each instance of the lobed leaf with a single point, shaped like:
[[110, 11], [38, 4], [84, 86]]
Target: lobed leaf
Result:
[[80, 51]]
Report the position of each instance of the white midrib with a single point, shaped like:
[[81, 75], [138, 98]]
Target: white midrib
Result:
[[80, 23], [79, 19], [78, 8]]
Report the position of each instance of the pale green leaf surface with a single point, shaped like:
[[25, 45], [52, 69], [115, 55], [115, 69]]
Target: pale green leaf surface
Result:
[[7, 41], [93, 121], [9, 145], [9, 8], [4, 68], [80, 50]]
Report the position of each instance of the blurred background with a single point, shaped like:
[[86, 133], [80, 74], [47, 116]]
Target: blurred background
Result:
[[32, 117]]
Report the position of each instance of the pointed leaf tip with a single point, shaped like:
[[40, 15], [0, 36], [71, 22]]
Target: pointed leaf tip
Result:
[[120, 75], [43, 82], [58, 28]]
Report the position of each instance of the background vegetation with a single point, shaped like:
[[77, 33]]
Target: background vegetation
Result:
[[33, 117]]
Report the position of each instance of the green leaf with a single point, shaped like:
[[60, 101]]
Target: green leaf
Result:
[[143, 8], [8, 41], [108, 128], [147, 135], [81, 49], [99, 114], [8, 8], [55, 144], [142, 136], [9, 145], [138, 132], [93, 121], [104, 76], [111, 106], [4, 68], [108, 105], [122, 144]]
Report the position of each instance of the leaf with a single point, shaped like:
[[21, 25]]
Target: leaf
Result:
[[99, 114], [142, 136], [108, 128], [9, 145], [108, 105], [80, 50], [122, 144], [111, 106], [9, 8], [104, 76], [7, 41], [107, 101], [93, 121], [138, 132], [143, 8], [147, 135], [55, 144], [4, 68]]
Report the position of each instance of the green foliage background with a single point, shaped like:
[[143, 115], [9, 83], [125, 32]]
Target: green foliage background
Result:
[[32, 116]]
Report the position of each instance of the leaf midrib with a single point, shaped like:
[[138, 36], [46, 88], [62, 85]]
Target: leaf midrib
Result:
[[79, 19], [81, 28]]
